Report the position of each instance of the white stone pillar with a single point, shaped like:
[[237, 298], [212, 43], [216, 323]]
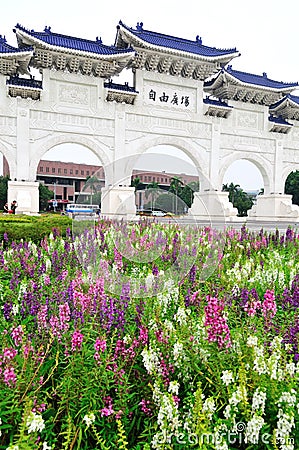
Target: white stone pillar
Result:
[[275, 205], [211, 203], [118, 202], [26, 194]]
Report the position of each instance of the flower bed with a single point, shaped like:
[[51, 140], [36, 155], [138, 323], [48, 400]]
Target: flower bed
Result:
[[150, 336]]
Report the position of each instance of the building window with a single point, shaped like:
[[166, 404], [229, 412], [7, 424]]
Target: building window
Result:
[[59, 170], [53, 169], [41, 169], [158, 179], [87, 172], [82, 172], [77, 171], [47, 169], [92, 172], [64, 171], [71, 171], [149, 178], [154, 178], [145, 178]]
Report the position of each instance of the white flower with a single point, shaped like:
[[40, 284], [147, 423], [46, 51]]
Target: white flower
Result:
[[253, 429], [89, 419], [259, 400], [14, 447], [252, 341], [181, 315], [35, 422], [150, 359], [209, 407], [227, 377], [15, 309], [45, 446], [288, 397], [173, 387]]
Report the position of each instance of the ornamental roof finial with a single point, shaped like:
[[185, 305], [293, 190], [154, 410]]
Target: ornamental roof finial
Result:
[[99, 40], [139, 26], [198, 40], [2, 39], [47, 29], [265, 74]]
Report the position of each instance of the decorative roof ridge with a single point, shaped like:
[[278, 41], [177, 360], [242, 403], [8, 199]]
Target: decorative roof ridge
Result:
[[279, 120], [15, 80], [121, 87], [47, 31], [292, 98], [216, 102], [230, 70], [198, 40]]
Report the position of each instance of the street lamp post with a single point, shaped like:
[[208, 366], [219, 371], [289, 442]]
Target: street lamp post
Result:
[[55, 203]]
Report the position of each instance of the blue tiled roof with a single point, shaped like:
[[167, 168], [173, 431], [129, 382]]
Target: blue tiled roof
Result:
[[120, 87], [74, 43], [215, 102], [293, 98], [279, 120], [5, 48], [25, 82], [257, 80], [176, 43]]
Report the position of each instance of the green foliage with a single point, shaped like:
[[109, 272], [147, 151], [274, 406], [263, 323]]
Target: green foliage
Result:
[[45, 194], [240, 199], [35, 228], [292, 186], [3, 190]]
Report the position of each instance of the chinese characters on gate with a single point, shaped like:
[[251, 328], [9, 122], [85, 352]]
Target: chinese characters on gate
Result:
[[173, 100]]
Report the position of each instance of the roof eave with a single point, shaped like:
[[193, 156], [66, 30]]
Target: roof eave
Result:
[[220, 58], [286, 89], [33, 40]]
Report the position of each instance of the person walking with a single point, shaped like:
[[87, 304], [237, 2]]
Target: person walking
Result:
[[5, 209], [13, 206]]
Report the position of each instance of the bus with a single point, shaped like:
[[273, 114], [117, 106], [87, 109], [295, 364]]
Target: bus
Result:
[[74, 209]]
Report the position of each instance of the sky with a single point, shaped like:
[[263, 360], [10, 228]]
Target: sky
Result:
[[264, 31]]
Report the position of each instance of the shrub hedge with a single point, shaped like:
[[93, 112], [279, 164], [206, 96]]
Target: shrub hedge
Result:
[[34, 228]]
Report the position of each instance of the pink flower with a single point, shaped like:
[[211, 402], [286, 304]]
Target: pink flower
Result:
[[10, 377], [17, 335], [100, 345], [9, 353], [77, 340], [107, 411], [215, 320], [269, 305]]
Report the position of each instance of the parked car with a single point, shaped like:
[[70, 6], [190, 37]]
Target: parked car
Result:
[[159, 213]]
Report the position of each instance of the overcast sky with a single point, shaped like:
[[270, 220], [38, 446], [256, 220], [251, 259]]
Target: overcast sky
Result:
[[264, 31]]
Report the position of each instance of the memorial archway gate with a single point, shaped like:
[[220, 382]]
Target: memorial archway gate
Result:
[[183, 94]]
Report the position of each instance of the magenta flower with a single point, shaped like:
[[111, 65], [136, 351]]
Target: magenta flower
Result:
[[215, 320], [10, 377], [77, 340], [17, 335], [269, 305], [100, 345]]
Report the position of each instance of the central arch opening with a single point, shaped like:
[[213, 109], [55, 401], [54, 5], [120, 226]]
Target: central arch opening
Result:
[[244, 182], [164, 178]]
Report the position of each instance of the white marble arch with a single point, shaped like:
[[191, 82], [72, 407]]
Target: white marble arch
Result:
[[144, 145], [66, 138], [8, 153], [261, 163]]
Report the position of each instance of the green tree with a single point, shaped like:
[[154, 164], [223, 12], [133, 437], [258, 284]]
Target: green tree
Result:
[[292, 186], [152, 192], [239, 198], [45, 194], [93, 185], [135, 183], [187, 193], [176, 187], [3, 190]]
